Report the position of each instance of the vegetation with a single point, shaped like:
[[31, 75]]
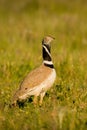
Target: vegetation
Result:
[[23, 24]]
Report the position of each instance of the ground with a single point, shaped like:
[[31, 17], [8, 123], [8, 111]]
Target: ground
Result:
[[23, 24]]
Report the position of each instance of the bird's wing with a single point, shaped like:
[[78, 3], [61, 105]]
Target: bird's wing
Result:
[[34, 78]]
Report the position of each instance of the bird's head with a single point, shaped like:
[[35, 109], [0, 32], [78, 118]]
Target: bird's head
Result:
[[47, 40]]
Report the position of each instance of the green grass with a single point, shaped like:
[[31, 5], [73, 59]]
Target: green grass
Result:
[[22, 27]]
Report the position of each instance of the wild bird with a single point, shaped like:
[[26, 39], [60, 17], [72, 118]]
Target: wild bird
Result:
[[38, 81]]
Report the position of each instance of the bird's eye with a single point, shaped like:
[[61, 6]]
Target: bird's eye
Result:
[[25, 88]]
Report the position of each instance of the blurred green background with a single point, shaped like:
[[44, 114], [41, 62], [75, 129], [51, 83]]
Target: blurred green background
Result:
[[23, 24]]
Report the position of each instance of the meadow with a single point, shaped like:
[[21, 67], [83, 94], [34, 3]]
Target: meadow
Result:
[[23, 24]]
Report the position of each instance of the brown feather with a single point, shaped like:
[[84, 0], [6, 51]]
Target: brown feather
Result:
[[33, 79]]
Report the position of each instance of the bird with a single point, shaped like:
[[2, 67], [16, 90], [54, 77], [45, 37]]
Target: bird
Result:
[[39, 80]]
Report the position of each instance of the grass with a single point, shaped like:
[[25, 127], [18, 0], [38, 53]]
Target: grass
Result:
[[22, 27]]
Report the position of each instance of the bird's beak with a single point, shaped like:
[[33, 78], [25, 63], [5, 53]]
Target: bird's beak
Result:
[[53, 38]]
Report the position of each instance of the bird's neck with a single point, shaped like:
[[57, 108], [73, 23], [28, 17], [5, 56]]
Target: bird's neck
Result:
[[46, 51]]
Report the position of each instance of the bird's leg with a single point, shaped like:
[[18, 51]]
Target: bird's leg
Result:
[[35, 99], [41, 98], [14, 104]]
